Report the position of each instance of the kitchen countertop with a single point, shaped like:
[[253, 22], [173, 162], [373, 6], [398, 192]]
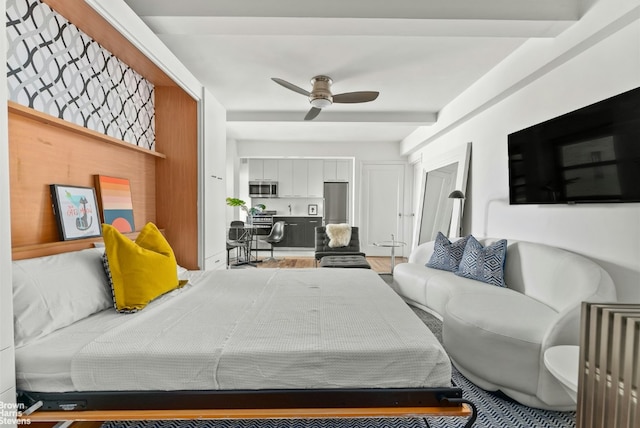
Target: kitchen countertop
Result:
[[300, 215]]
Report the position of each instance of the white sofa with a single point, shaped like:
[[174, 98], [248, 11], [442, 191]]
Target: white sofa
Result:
[[497, 336]]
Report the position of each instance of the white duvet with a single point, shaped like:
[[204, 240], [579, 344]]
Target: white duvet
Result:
[[258, 329]]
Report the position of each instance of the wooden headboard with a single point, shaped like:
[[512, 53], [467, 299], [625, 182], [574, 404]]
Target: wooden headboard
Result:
[[45, 150]]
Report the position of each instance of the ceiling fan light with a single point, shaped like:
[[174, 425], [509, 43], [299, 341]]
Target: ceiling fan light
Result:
[[320, 102]]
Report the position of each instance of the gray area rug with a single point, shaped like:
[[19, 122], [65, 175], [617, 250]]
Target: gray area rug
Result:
[[494, 409]]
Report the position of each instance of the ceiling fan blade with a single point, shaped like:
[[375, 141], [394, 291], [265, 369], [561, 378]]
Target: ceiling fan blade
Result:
[[356, 97], [291, 86], [313, 113]]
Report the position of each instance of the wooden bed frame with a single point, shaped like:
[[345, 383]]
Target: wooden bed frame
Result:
[[75, 154], [274, 404]]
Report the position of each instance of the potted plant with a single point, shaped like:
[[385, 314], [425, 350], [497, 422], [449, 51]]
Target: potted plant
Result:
[[235, 202]]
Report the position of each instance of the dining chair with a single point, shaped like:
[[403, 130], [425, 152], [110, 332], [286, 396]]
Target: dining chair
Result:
[[235, 239], [276, 235]]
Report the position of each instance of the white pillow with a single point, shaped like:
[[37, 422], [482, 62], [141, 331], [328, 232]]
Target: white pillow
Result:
[[339, 235], [55, 291]]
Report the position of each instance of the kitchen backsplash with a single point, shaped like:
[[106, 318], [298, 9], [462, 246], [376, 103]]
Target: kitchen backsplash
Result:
[[299, 206]]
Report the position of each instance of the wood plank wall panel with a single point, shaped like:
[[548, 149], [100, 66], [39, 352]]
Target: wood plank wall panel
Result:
[[177, 175], [41, 155]]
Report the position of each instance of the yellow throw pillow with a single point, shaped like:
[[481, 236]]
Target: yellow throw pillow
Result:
[[139, 271]]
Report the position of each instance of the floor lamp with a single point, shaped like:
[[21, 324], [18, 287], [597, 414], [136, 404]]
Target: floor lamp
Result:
[[457, 194]]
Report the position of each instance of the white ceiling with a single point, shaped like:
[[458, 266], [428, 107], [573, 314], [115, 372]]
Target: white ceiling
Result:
[[419, 54]]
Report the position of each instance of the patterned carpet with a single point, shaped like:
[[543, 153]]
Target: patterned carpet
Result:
[[494, 410]]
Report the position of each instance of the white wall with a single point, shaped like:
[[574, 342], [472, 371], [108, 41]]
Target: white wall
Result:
[[596, 58]]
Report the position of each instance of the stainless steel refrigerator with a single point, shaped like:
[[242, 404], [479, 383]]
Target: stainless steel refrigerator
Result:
[[336, 202]]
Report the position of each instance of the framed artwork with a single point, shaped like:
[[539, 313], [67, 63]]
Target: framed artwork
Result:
[[76, 211], [114, 196], [313, 209]]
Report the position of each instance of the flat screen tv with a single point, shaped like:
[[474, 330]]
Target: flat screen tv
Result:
[[590, 155]]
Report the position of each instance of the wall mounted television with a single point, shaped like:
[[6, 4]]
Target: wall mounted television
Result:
[[590, 155]]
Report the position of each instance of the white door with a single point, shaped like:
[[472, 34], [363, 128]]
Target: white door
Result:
[[381, 207]]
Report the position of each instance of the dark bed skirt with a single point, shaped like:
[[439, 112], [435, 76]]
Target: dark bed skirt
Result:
[[243, 399]]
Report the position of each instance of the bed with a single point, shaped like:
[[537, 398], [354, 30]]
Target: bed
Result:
[[275, 339]]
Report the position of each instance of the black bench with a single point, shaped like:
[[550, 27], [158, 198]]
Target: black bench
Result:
[[344, 262]]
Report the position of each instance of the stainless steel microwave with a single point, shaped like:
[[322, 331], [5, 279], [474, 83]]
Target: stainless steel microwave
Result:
[[263, 189]]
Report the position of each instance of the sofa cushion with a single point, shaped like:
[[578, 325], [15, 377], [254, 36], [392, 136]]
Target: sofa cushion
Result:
[[484, 264], [498, 335], [410, 280], [446, 254], [441, 288]]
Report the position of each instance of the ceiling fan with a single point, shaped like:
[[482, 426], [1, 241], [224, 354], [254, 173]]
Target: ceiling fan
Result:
[[321, 96]]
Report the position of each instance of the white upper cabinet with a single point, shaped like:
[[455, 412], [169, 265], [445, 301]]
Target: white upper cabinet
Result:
[[300, 177], [315, 178], [256, 169], [337, 170], [270, 170], [263, 169], [343, 170], [285, 178]]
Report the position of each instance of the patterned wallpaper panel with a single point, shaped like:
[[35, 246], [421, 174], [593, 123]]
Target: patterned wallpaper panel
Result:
[[55, 68]]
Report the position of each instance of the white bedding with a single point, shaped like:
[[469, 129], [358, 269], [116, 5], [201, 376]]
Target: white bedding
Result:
[[246, 329]]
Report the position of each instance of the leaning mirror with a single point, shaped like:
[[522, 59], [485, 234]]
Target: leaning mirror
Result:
[[440, 176], [436, 206]]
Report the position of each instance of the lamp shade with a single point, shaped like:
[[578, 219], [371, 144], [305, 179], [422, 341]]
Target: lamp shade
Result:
[[456, 194]]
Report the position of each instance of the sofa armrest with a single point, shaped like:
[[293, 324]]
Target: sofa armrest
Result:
[[422, 253], [565, 330]]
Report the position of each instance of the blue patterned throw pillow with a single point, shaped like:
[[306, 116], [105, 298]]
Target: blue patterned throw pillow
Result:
[[446, 254], [484, 264]]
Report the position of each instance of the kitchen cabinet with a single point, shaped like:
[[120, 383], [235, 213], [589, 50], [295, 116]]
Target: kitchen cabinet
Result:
[[263, 169], [299, 232], [310, 231], [300, 177], [315, 178], [337, 170], [256, 169], [270, 169], [285, 178]]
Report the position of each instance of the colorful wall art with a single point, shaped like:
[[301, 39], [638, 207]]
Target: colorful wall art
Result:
[[76, 211], [114, 195]]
